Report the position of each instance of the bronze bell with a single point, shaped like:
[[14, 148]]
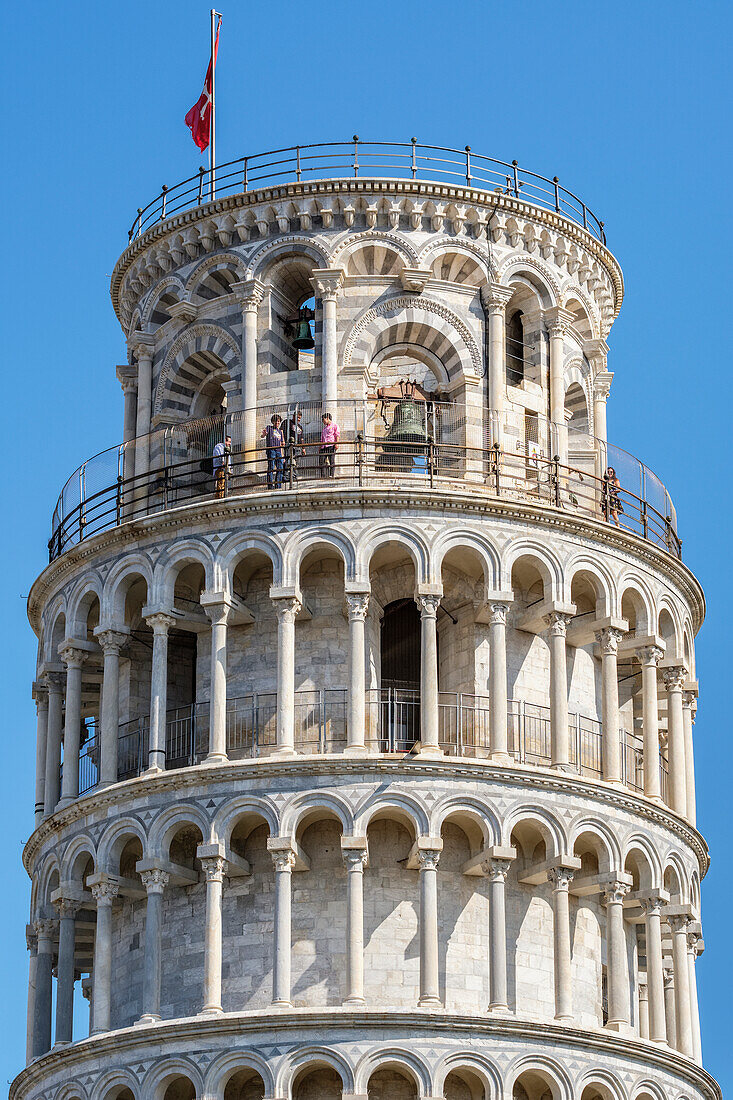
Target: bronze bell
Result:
[[303, 339], [408, 423]]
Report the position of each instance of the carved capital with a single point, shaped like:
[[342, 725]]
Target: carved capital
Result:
[[428, 859], [650, 654], [71, 655], [495, 298], [155, 880], [327, 283], [602, 385], [249, 294], [614, 892], [560, 878], [67, 907], [142, 346], [105, 891], [652, 906], [45, 930], [127, 377], [355, 859], [160, 622], [111, 640], [689, 699], [608, 639], [674, 677], [428, 606], [678, 923], [213, 868], [283, 860], [287, 609], [358, 606], [498, 613], [496, 870], [557, 624]]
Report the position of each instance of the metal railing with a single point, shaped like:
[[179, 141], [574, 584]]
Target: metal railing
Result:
[[103, 493], [362, 159]]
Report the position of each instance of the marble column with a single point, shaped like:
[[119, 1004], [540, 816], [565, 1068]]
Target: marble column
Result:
[[355, 860], [558, 320], [127, 376], [327, 283], [283, 861], [669, 1003], [144, 354], [560, 879], [654, 969], [429, 717], [601, 390], [643, 1009], [287, 610], [112, 642], [497, 871], [495, 298], [218, 616], [608, 640], [249, 294], [213, 868], [650, 656], [40, 694], [428, 873], [557, 623], [674, 679], [53, 743], [67, 909], [619, 994], [160, 623], [682, 998], [689, 706], [73, 657], [45, 931], [104, 892], [31, 939], [498, 706], [693, 949], [357, 604], [155, 882]]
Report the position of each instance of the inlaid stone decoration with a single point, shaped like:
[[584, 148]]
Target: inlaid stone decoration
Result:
[[366, 683]]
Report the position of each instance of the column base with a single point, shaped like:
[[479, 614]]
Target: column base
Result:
[[64, 802], [60, 1044], [216, 758], [619, 1026], [153, 769], [564, 1020], [499, 1010], [148, 1018], [281, 1004], [429, 1002], [354, 1002], [430, 751], [356, 750], [211, 1010], [563, 768], [502, 758], [283, 752]]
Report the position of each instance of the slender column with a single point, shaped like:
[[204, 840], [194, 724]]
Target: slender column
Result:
[[73, 658], [650, 656], [44, 930], [497, 871], [557, 321], [143, 349], [689, 706], [111, 642], [127, 376], [327, 283], [40, 694], [218, 615], [694, 942], [31, 939], [655, 977], [619, 995], [355, 860], [601, 390], [155, 882], [643, 1009], [429, 987], [674, 679], [669, 1004], [608, 640], [284, 861], [682, 1000], [498, 710], [557, 623], [495, 298], [104, 891], [358, 606], [67, 908], [249, 294], [429, 726], [213, 867], [53, 743], [286, 609], [560, 879], [160, 622]]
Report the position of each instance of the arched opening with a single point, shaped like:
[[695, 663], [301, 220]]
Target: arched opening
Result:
[[318, 946], [118, 1093], [463, 654], [293, 316], [391, 1083], [514, 349], [393, 650], [180, 1088], [249, 906], [184, 908], [317, 1083], [463, 1084], [529, 910], [576, 411], [533, 1085], [462, 913], [528, 666], [321, 659], [390, 918], [252, 719], [245, 1084]]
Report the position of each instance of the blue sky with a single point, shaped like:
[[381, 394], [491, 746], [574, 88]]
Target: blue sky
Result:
[[628, 103]]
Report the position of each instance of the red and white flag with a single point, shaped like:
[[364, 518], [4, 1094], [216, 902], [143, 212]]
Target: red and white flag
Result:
[[198, 118]]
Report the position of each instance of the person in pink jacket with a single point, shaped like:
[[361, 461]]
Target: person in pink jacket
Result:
[[329, 445]]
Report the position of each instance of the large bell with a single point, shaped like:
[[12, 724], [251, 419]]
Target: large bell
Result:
[[408, 423], [303, 340]]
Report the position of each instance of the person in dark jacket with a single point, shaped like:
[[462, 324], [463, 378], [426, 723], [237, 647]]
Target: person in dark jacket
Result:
[[274, 447]]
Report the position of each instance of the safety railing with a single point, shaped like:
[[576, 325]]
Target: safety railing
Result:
[[367, 159], [107, 490]]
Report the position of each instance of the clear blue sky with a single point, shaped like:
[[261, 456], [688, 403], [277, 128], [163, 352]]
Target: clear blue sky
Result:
[[628, 103]]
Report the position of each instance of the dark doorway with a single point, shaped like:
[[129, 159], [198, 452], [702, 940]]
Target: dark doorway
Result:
[[400, 695]]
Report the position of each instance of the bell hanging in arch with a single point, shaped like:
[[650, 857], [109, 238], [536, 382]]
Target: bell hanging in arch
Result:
[[303, 339], [408, 423]]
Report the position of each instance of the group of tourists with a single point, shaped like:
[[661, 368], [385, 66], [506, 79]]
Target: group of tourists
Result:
[[284, 447]]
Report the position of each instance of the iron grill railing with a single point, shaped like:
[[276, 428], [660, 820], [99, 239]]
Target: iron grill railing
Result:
[[367, 159], [103, 493]]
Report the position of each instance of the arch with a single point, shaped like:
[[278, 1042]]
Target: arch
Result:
[[53, 627], [673, 863], [299, 544], [135, 567], [669, 627], [605, 836], [203, 272], [428, 253], [72, 866], [312, 1057], [600, 576], [293, 245], [190, 551], [480, 544], [204, 346], [540, 558], [164, 293], [647, 1090], [412, 541], [169, 821], [226, 1065], [547, 825], [162, 1074], [521, 268], [114, 839], [475, 811], [43, 880], [71, 1091], [373, 256], [80, 600], [484, 1068], [584, 311], [234, 548], [301, 806], [645, 860], [433, 326], [639, 599], [117, 1080], [553, 1073], [233, 811], [380, 369], [407, 1061], [356, 241], [606, 1084], [403, 806]]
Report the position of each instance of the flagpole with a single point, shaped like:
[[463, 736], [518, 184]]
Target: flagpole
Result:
[[212, 136]]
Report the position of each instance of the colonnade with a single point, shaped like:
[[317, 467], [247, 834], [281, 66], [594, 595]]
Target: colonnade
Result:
[[555, 619], [651, 1019]]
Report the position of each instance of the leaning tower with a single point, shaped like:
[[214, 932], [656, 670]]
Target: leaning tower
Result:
[[365, 741]]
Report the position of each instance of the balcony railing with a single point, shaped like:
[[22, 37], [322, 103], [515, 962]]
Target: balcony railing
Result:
[[392, 727], [449, 449], [367, 159]]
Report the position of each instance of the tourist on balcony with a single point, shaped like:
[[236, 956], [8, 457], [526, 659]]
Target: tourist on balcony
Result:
[[329, 445], [220, 465], [293, 433], [275, 448], [611, 500]]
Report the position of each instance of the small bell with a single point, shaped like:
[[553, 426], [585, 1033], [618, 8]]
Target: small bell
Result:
[[303, 339]]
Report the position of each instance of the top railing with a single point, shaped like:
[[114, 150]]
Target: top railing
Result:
[[356, 158]]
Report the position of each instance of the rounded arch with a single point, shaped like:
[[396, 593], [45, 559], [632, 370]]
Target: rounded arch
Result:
[[606, 1084], [293, 245], [302, 806], [676, 875], [373, 256], [669, 627], [475, 541], [484, 1068], [202, 283], [76, 856], [431, 252], [528, 270], [202, 347], [300, 543], [71, 1091], [115, 838], [392, 803], [542, 560], [546, 824], [454, 264], [600, 578], [635, 599], [642, 859], [647, 1090], [410, 539], [110, 1085], [548, 1070], [53, 626], [312, 1057], [247, 805], [226, 1065], [161, 297], [399, 1058], [80, 600], [458, 807], [44, 882], [121, 577], [380, 369], [169, 821], [234, 548], [190, 551], [605, 837], [164, 1073], [356, 241], [584, 310]]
